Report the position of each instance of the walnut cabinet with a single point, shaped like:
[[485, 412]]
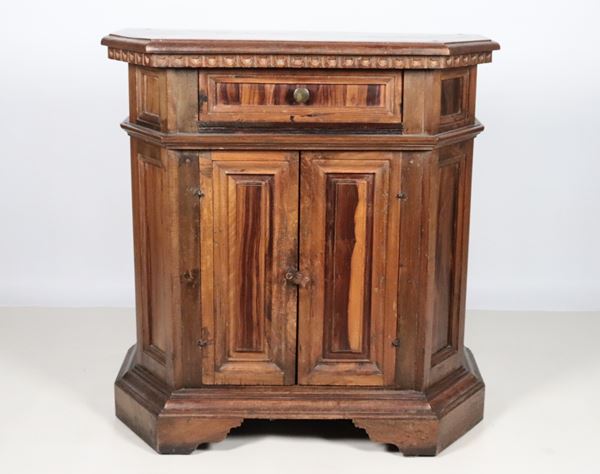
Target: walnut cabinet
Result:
[[301, 218]]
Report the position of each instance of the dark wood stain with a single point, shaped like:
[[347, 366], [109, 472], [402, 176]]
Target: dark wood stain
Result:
[[148, 99], [252, 263], [373, 95], [251, 336], [260, 93], [452, 95], [157, 310], [340, 242], [188, 172], [223, 336], [241, 97], [282, 94], [342, 200], [445, 256], [229, 93]]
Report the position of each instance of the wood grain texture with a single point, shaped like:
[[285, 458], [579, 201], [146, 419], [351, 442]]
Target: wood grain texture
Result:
[[348, 240], [445, 255], [186, 235], [453, 186], [452, 93], [305, 257], [182, 100], [274, 93], [149, 186], [268, 42], [272, 140], [455, 98], [267, 96], [148, 106], [415, 269], [254, 195], [345, 328]]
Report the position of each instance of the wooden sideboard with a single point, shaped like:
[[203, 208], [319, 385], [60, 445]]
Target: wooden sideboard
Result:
[[301, 220]]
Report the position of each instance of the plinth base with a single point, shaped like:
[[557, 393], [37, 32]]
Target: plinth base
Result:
[[418, 423]]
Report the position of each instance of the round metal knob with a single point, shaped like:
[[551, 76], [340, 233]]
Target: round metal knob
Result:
[[301, 95]]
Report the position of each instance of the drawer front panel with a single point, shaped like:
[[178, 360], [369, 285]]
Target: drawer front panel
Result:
[[300, 98]]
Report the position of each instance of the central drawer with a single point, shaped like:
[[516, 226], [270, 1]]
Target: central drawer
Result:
[[247, 97]]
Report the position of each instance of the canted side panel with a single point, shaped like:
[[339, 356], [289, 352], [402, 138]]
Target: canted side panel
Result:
[[255, 219], [445, 257], [152, 239], [148, 97], [154, 261], [457, 98], [348, 264], [453, 197], [346, 326], [452, 94]]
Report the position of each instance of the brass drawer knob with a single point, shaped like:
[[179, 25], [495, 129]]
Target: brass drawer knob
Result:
[[301, 95]]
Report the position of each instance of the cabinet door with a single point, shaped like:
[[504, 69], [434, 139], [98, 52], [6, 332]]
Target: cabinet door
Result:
[[249, 229], [349, 256]]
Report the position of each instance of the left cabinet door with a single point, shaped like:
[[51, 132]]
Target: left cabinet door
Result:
[[249, 241]]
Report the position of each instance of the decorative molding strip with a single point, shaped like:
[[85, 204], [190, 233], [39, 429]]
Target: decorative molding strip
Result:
[[298, 61], [295, 141]]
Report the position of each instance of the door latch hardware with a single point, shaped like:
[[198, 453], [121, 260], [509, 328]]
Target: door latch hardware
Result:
[[190, 277], [197, 192], [297, 278], [401, 195]]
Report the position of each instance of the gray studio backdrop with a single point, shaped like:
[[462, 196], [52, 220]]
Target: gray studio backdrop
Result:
[[65, 219]]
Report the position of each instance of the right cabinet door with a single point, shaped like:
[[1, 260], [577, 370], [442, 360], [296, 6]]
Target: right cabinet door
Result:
[[349, 226]]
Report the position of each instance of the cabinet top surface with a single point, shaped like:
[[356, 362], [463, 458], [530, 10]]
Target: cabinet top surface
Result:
[[223, 42]]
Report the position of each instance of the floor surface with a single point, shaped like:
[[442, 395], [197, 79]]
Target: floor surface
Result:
[[57, 367]]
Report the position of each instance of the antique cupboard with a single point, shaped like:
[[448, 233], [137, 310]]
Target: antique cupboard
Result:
[[301, 218]]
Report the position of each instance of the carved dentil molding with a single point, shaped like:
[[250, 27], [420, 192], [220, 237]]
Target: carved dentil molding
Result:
[[298, 61]]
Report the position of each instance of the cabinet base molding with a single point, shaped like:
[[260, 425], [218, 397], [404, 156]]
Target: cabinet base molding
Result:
[[417, 423]]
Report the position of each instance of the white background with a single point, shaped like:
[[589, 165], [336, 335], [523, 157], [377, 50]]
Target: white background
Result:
[[65, 218]]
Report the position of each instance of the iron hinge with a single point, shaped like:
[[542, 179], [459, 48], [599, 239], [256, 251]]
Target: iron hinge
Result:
[[197, 192], [204, 339], [202, 98]]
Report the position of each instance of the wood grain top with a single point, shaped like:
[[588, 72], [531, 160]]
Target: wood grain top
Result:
[[153, 41]]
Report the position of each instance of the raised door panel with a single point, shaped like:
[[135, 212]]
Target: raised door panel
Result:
[[348, 254], [250, 334]]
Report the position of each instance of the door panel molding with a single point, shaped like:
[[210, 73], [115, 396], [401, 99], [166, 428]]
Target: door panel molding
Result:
[[349, 250], [251, 330]]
